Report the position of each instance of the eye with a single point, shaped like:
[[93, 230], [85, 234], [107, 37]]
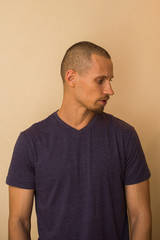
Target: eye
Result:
[[100, 81]]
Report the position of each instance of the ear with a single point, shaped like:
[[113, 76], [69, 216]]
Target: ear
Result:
[[70, 77]]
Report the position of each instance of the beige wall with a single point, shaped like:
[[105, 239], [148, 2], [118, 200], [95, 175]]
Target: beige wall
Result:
[[34, 36]]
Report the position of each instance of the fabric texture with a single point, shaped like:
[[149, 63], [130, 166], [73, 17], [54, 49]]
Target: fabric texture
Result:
[[79, 176]]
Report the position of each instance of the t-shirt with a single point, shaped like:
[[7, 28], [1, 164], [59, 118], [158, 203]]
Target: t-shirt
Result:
[[79, 176]]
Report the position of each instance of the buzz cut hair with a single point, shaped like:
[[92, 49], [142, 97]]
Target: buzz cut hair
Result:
[[78, 57]]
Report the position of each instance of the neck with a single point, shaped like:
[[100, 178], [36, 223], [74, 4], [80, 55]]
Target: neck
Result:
[[76, 116]]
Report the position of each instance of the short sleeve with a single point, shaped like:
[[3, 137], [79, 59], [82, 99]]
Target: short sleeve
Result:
[[21, 171], [136, 166]]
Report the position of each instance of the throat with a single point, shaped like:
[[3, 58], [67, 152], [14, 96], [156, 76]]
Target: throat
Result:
[[77, 121]]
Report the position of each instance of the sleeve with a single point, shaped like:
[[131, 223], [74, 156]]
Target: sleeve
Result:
[[21, 171], [136, 169]]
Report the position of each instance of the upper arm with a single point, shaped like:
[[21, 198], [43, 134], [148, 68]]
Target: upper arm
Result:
[[138, 200], [20, 203]]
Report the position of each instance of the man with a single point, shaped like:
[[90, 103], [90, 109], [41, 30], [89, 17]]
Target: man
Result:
[[85, 168]]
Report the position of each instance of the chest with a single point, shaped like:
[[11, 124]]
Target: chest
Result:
[[79, 160]]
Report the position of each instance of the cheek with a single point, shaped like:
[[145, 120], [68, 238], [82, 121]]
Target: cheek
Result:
[[87, 92], [84, 90], [80, 94]]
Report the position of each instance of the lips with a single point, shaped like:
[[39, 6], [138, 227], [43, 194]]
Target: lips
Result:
[[103, 100]]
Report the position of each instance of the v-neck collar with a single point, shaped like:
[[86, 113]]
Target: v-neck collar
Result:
[[67, 126]]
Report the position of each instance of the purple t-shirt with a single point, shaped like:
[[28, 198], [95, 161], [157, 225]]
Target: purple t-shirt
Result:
[[79, 176]]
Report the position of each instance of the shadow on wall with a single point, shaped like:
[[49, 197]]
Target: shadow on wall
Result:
[[153, 155]]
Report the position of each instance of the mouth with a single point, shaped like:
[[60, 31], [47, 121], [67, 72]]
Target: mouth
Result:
[[103, 101]]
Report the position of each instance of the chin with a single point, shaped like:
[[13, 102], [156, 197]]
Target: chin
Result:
[[98, 110]]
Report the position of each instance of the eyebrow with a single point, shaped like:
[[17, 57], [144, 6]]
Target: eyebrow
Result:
[[104, 77]]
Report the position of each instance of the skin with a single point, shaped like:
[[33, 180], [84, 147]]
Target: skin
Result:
[[140, 217], [20, 209], [84, 95]]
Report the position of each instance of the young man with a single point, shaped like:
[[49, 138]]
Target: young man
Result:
[[85, 168]]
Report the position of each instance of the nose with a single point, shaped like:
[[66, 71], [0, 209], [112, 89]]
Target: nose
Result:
[[108, 90]]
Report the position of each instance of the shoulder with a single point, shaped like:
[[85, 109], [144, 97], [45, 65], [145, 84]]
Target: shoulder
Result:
[[117, 124], [120, 130], [41, 128]]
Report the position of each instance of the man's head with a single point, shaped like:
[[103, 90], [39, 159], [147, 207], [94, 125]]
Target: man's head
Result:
[[78, 57], [87, 70]]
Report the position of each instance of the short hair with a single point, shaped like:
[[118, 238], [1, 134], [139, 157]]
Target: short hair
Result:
[[78, 57]]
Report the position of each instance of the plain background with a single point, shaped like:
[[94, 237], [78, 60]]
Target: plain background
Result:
[[34, 36]]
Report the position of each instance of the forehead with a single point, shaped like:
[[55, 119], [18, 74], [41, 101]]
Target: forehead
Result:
[[101, 61], [101, 65]]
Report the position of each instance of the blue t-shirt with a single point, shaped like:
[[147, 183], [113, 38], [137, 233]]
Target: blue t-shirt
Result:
[[79, 176]]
